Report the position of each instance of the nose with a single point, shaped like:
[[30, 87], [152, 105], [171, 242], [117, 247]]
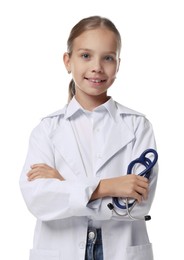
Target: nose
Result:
[[97, 66]]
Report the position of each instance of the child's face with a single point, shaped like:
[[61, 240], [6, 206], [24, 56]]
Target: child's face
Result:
[[94, 61]]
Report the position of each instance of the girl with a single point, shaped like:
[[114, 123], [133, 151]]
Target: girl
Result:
[[78, 156]]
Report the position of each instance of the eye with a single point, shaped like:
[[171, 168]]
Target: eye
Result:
[[85, 56], [109, 58]]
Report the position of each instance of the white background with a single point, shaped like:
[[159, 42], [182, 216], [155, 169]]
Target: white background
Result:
[[34, 83]]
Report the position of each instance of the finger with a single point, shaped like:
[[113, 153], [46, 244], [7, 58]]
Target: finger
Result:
[[41, 165], [136, 196], [35, 172], [143, 184], [32, 171], [36, 175], [139, 199], [141, 178], [42, 168], [143, 192]]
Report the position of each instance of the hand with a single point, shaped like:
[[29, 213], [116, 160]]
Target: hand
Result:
[[43, 171], [130, 186]]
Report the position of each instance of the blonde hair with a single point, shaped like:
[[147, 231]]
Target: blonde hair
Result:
[[83, 25]]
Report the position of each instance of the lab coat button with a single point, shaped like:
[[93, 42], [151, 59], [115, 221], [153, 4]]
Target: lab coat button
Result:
[[91, 235], [82, 245]]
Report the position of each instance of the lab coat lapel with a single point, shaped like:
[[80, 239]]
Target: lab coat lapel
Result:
[[65, 143], [119, 137]]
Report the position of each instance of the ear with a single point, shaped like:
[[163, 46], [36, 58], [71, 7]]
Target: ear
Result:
[[119, 61], [66, 60]]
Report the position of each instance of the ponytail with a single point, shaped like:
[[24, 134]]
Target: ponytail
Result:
[[71, 90]]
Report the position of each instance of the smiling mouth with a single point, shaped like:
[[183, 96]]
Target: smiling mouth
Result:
[[95, 80]]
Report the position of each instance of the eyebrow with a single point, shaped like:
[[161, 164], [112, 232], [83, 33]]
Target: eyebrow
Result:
[[83, 49], [89, 50]]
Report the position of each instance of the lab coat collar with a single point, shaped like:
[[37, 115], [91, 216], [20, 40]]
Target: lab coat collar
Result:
[[127, 111], [111, 105], [74, 107]]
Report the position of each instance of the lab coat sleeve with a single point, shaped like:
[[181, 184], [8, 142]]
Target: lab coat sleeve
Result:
[[50, 199], [144, 139]]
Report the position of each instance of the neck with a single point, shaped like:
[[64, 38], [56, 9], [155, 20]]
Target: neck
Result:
[[91, 102]]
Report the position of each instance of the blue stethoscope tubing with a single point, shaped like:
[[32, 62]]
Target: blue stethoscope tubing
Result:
[[148, 164]]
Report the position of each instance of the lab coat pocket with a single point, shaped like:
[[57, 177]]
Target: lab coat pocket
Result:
[[141, 252], [36, 254]]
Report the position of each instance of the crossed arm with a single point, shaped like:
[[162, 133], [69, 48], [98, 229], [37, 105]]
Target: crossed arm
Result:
[[132, 186]]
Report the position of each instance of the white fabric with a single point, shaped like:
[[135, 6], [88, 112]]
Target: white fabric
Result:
[[62, 208], [90, 130]]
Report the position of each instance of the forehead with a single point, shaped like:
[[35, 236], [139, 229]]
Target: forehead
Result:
[[101, 39]]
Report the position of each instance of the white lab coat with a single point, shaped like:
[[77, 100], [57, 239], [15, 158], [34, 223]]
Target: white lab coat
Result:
[[62, 208]]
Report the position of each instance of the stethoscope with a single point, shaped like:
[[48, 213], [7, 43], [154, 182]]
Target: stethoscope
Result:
[[128, 204]]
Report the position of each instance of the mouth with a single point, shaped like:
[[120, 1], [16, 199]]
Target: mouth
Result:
[[96, 80]]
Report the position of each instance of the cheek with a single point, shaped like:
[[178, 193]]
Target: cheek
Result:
[[77, 68], [113, 72], [112, 75], [77, 74], [112, 68]]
